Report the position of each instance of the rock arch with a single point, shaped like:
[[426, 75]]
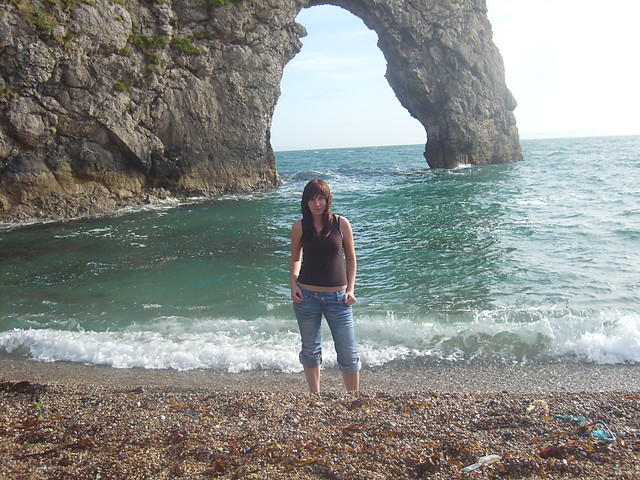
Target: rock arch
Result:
[[105, 104], [446, 71]]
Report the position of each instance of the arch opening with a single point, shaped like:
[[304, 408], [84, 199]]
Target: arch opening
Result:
[[334, 92]]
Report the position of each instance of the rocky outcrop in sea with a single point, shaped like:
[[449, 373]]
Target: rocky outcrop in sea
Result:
[[108, 103]]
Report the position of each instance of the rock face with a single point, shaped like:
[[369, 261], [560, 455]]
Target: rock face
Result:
[[110, 103]]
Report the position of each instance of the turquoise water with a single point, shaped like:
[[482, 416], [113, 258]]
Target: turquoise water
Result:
[[521, 263]]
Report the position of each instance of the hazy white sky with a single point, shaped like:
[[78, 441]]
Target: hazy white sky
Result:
[[572, 66]]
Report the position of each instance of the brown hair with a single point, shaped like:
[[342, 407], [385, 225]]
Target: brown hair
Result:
[[316, 188]]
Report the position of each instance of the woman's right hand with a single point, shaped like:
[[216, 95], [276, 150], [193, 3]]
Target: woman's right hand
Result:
[[296, 294]]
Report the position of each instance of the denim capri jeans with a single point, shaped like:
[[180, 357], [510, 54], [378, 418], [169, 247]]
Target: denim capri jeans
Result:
[[340, 320]]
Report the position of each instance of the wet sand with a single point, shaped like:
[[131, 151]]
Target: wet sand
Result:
[[550, 378]]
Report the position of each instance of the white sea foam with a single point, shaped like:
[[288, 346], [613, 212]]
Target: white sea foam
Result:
[[611, 339], [159, 205], [234, 345], [229, 349]]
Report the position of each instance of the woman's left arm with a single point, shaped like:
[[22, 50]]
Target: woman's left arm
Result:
[[350, 257]]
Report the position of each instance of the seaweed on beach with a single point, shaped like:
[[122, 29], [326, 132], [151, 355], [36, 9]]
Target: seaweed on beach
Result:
[[22, 387], [145, 433]]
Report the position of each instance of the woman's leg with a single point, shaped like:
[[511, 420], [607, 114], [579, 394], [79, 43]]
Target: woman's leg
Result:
[[309, 316], [351, 381], [312, 374], [340, 319]]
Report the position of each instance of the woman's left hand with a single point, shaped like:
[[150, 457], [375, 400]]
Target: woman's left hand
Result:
[[349, 298]]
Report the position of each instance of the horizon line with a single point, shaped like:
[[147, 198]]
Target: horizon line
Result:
[[306, 149]]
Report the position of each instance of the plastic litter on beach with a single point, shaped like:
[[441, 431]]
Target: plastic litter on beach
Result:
[[486, 460], [603, 434]]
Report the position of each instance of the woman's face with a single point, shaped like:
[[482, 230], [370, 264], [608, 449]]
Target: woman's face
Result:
[[318, 205]]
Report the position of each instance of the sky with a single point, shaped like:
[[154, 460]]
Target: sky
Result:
[[573, 67]]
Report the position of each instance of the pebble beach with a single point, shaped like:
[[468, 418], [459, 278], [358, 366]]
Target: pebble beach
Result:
[[86, 422]]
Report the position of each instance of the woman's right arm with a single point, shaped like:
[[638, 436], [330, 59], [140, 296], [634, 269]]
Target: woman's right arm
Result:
[[296, 261]]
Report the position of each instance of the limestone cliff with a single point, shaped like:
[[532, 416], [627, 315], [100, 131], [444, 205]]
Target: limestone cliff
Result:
[[107, 103]]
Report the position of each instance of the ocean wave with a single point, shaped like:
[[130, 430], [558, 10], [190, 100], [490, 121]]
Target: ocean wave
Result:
[[234, 345], [158, 206], [236, 348]]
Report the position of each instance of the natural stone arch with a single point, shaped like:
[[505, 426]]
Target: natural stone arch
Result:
[[105, 104], [446, 71]]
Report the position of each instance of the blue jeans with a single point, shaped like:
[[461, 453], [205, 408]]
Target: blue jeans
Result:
[[340, 320]]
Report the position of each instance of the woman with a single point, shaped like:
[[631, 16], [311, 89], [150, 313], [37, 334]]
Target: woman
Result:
[[320, 243]]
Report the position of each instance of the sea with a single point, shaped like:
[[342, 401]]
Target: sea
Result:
[[525, 263]]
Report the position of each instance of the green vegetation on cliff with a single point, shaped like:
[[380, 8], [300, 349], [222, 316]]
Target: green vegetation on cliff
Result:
[[184, 45]]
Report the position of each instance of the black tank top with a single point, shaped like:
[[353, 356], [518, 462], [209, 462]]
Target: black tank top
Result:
[[323, 259]]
